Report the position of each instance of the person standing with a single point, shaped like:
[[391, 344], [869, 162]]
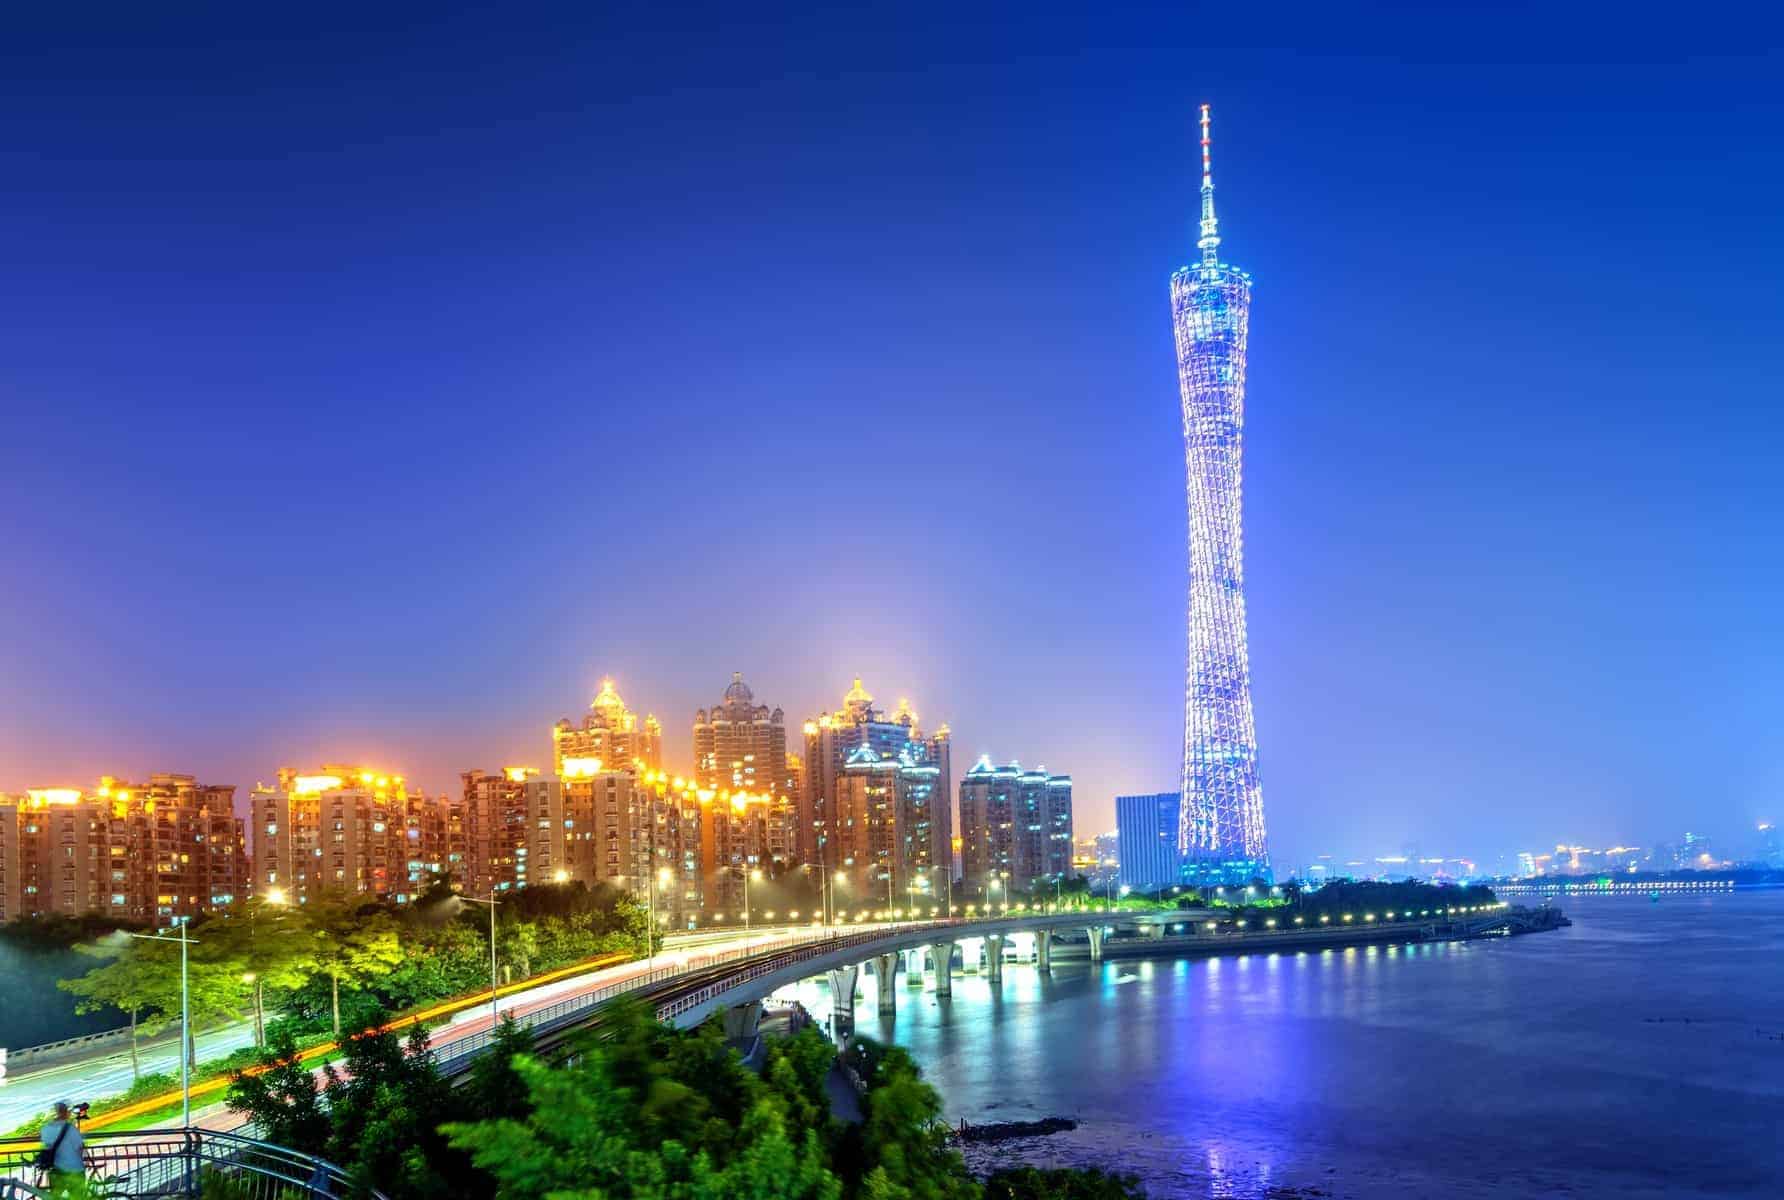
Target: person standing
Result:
[[61, 1153]]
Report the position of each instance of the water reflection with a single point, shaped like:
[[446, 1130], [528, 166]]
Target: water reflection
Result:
[[1347, 1069]]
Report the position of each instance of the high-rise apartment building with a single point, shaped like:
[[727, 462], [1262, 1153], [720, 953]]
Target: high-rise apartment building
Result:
[[1221, 830], [606, 827], [887, 844], [611, 735], [830, 738], [1015, 827], [512, 830], [1147, 828], [740, 833], [741, 745], [156, 852], [351, 829]]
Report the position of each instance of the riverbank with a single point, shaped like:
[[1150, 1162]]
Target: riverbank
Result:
[[1199, 943]]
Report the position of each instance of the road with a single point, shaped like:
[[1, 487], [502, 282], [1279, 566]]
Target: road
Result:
[[25, 1094]]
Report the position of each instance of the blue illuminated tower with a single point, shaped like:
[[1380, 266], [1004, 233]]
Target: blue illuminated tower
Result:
[[1222, 820]]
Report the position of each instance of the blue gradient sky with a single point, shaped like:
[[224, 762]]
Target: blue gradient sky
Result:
[[376, 380]]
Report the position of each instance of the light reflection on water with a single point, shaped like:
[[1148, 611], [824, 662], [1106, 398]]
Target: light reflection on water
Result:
[[1626, 1056]]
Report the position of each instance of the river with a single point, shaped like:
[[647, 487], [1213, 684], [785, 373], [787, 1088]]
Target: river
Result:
[[1639, 1053]]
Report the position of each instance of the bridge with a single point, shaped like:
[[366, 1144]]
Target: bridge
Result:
[[733, 981]]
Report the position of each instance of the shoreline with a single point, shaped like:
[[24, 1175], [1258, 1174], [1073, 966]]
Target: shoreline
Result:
[[1197, 945]]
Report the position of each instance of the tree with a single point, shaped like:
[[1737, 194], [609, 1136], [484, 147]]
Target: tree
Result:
[[137, 981], [281, 1098], [495, 1089], [379, 1116], [270, 946], [904, 1139], [145, 982], [646, 1113], [386, 1106], [351, 937], [519, 944]]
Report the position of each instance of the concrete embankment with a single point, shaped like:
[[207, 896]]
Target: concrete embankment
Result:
[[1203, 944]]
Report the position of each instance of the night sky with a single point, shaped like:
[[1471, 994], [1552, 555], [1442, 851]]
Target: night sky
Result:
[[374, 381]]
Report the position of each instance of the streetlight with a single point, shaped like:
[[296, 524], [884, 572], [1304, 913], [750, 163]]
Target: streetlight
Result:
[[495, 1012], [185, 1022], [650, 890], [747, 876]]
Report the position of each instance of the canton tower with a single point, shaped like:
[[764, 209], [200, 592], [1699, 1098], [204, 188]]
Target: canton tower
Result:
[[1222, 823]]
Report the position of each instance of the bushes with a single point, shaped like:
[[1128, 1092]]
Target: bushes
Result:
[[647, 1113]]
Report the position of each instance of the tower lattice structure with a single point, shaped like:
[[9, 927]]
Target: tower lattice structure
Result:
[[1222, 816]]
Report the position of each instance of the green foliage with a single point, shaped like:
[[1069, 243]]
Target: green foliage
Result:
[[378, 1115], [905, 1142], [1357, 897], [351, 937], [647, 1113], [283, 1100], [495, 1089]]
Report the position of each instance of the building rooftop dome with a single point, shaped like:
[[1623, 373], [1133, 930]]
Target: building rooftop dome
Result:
[[607, 698], [857, 694], [739, 691]]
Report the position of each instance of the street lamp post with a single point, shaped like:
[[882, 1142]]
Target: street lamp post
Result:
[[495, 1012], [748, 875], [185, 1022]]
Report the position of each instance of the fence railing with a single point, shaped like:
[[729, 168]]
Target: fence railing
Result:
[[768, 965], [455, 1055], [174, 1163]]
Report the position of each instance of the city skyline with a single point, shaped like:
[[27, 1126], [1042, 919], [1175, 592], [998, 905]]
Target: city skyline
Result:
[[310, 430]]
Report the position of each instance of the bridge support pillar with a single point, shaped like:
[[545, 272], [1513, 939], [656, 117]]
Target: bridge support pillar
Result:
[[994, 955], [1043, 949], [886, 968], [742, 1022], [1153, 931], [942, 953], [842, 1000], [1096, 943], [913, 968]]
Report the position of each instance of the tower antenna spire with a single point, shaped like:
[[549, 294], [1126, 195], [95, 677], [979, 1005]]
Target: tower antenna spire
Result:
[[1209, 241]]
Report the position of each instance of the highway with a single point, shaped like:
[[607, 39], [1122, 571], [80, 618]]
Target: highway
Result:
[[26, 1094]]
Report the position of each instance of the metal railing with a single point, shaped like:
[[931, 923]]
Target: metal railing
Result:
[[769, 964], [455, 1055], [174, 1163]]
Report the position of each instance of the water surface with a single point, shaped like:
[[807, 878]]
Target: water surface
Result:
[[1638, 1054]]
